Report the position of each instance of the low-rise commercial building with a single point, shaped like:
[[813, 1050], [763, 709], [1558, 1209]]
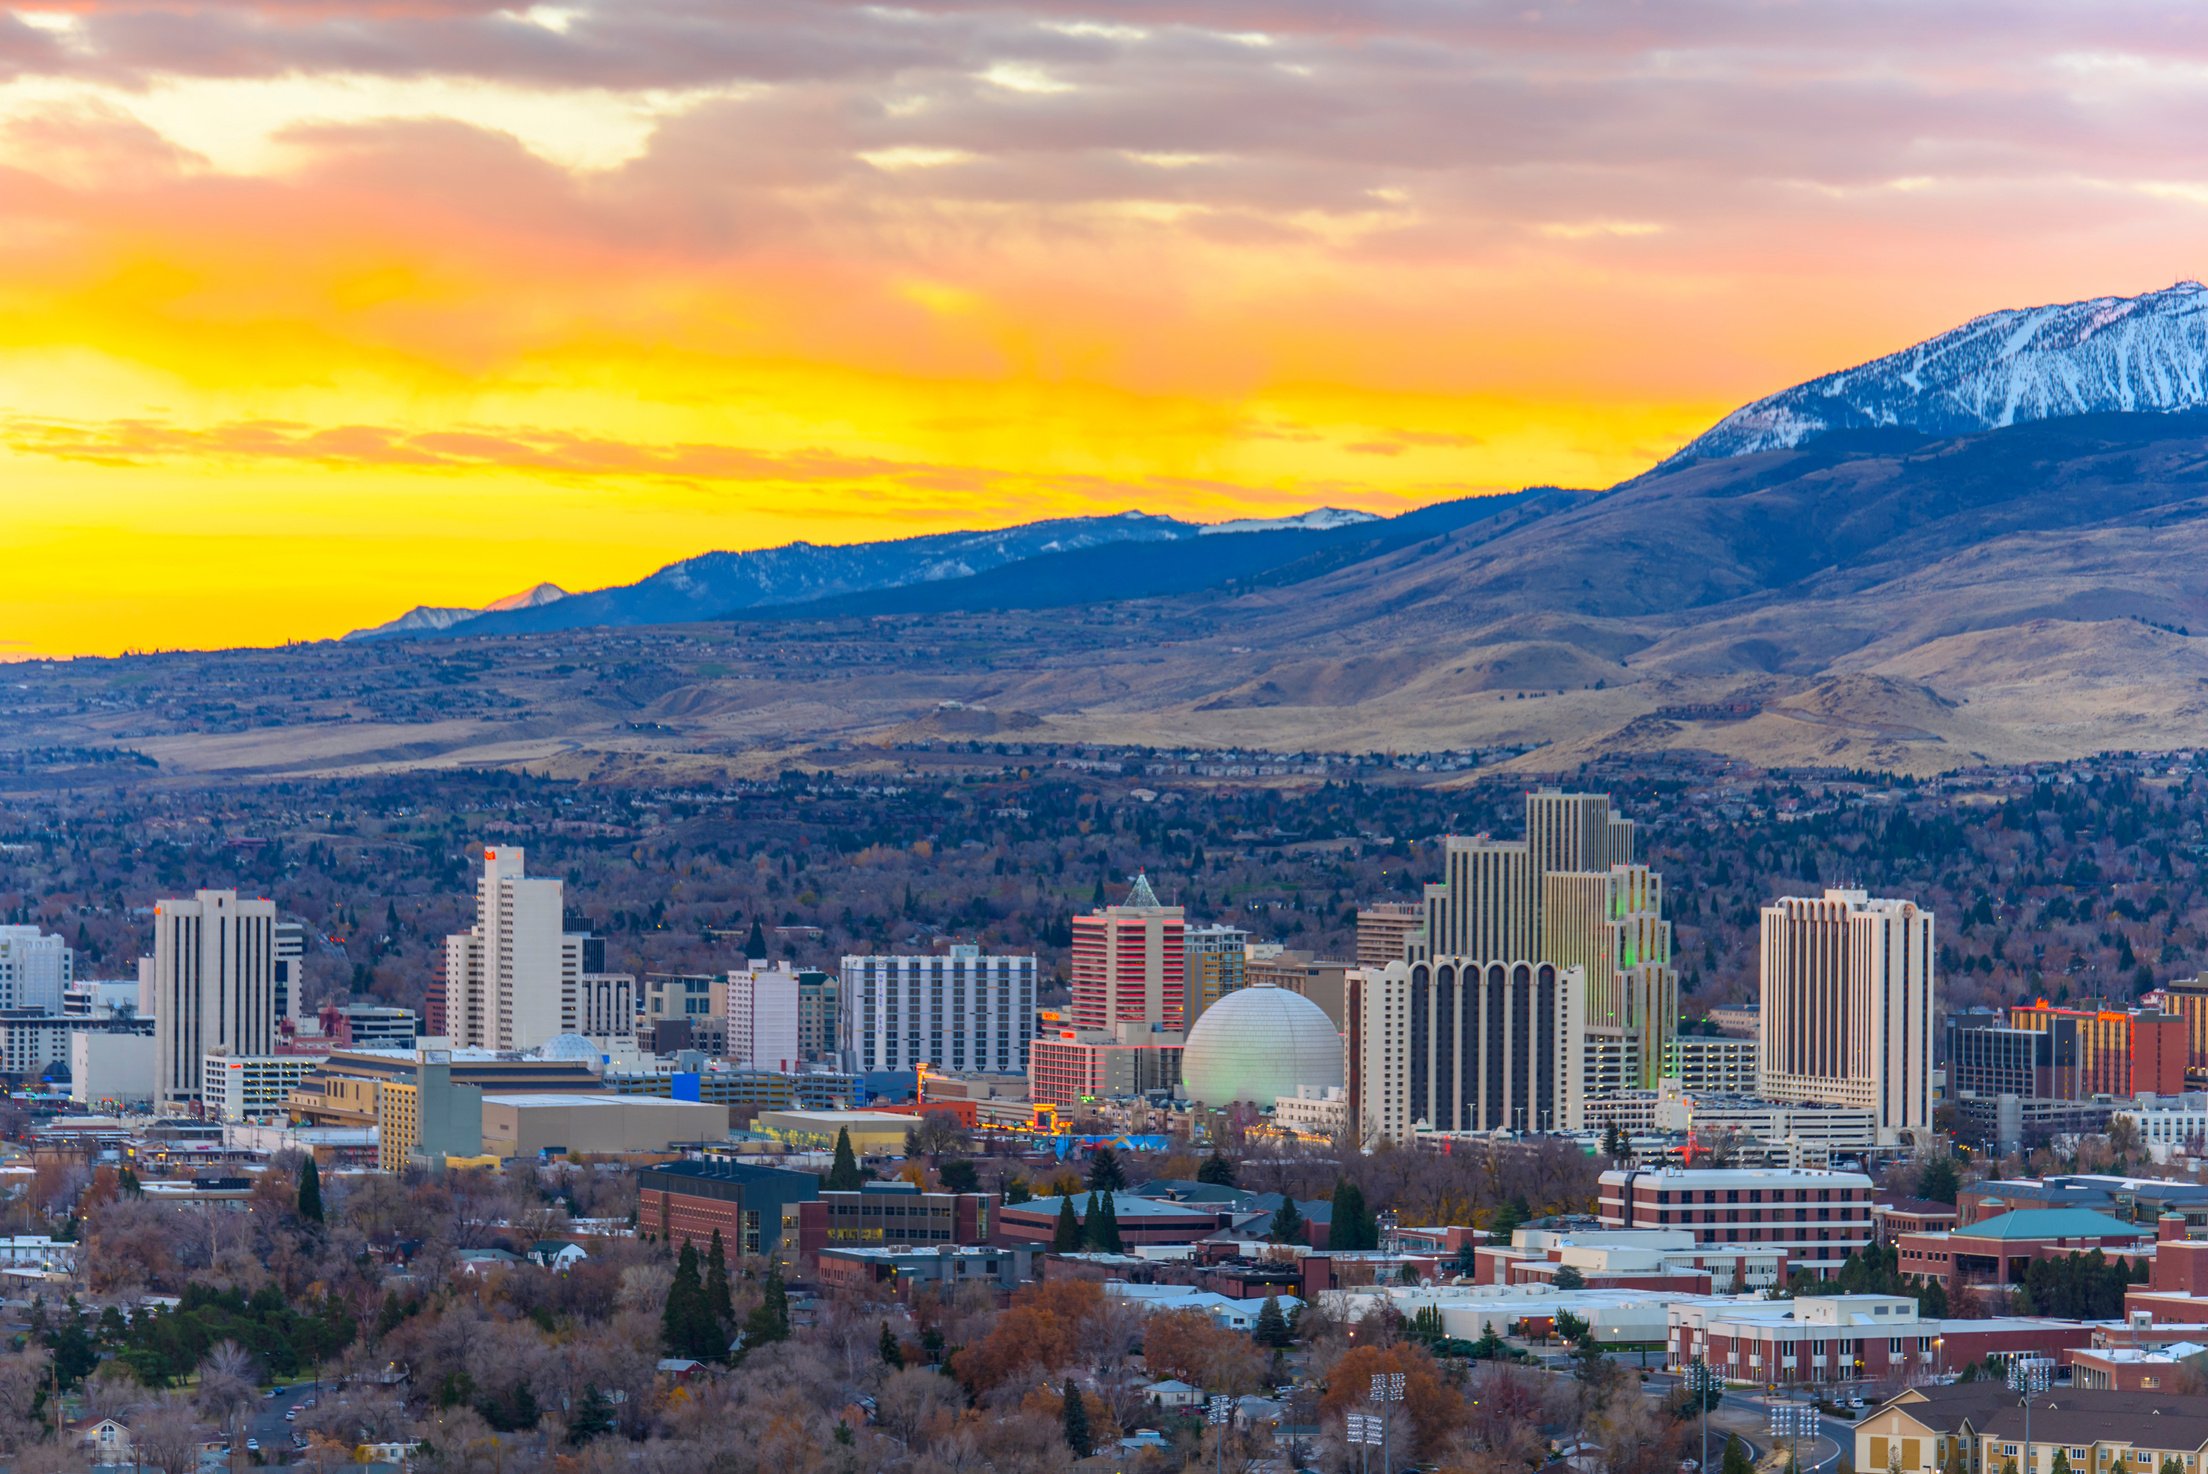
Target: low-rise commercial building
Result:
[[1002, 1267], [689, 1201], [872, 1133], [892, 1213], [1142, 1221], [253, 1087], [1830, 1340], [1648, 1259], [1817, 1218], [595, 1124], [1072, 1067], [1997, 1251]]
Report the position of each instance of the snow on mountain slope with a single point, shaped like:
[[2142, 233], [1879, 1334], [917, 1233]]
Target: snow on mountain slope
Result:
[[2111, 354], [1320, 519], [429, 619]]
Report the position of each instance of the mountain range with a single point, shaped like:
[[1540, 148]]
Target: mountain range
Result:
[[1991, 547]]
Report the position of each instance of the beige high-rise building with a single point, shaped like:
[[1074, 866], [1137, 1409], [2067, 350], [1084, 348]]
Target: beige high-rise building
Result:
[[1848, 992], [213, 979], [517, 978], [1610, 925], [1216, 964], [1452, 1045], [1488, 904], [1385, 932]]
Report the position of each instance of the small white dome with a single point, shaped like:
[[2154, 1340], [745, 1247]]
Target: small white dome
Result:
[[570, 1046], [1259, 1044]]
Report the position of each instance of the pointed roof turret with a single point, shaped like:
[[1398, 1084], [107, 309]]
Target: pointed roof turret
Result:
[[1140, 896]]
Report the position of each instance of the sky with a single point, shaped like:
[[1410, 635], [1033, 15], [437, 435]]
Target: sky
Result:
[[314, 310]]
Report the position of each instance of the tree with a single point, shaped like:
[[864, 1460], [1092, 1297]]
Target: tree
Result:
[[1505, 1221], [719, 1298], [959, 1176], [1350, 1225], [310, 1190], [893, 1355], [1272, 1327], [1077, 1424], [843, 1173], [1736, 1459], [1287, 1222], [1467, 1263], [755, 945], [1425, 1327], [593, 1416], [687, 1326], [1939, 1180], [1103, 1225], [1568, 1277], [770, 1319], [1614, 1146], [1067, 1238], [2062, 1462], [1216, 1170], [1105, 1172]]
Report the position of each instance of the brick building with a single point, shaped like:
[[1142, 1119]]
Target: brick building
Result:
[[687, 1201], [1835, 1340], [892, 1213], [1997, 1250], [1817, 1218]]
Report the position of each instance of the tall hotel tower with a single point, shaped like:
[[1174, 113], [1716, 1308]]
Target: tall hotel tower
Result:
[[214, 988], [1847, 990]]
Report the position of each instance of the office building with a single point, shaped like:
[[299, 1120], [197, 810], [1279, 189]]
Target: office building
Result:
[[1214, 965], [101, 998], [887, 1213], [762, 1016], [519, 977], [1847, 997], [820, 1016], [688, 1202], [1456, 1045], [667, 996], [213, 976], [1818, 1218], [372, 1026], [1129, 964], [1385, 932], [253, 1087], [964, 1012], [35, 969], [2103, 1051]]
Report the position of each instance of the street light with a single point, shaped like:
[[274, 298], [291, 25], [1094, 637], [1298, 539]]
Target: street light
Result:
[[1364, 1431], [2028, 1377], [1701, 1380], [1793, 1421], [1219, 1412], [1387, 1387]]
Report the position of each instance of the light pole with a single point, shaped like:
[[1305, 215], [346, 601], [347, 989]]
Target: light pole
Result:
[[1387, 1387], [2028, 1377], [1701, 1381], [1792, 1420], [1364, 1431], [1219, 1412]]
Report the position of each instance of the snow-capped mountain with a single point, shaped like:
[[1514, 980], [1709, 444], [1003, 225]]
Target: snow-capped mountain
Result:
[[2143, 354], [424, 619], [1319, 519]]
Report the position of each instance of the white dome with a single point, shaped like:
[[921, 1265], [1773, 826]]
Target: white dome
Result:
[[570, 1046], [1258, 1044]]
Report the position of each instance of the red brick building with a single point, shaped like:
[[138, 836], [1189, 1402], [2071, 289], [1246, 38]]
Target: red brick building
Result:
[[1818, 1218], [1997, 1250], [892, 1215], [1141, 1220]]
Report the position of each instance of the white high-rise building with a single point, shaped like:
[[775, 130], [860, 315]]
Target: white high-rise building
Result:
[[1847, 1006], [213, 977], [965, 1013], [291, 957], [762, 1016], [35, 969], [1457, 1045], [516, 979]]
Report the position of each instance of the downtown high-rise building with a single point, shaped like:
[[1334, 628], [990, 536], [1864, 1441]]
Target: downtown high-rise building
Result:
[[965, 1012], [1130, 964], [1847, 992], [1449, 1044], [1610, 925], [519, 978], [212, 977], [35, 969], [1216, 963]]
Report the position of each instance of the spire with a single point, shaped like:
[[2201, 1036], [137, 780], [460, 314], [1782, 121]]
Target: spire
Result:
[[1140, 896]]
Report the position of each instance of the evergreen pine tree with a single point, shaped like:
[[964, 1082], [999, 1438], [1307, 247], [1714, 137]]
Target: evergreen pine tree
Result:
[[1077, 1424], [310, 1190], [1092, 1223], [771, 1320], [1351, 1227], [1287, 1222], [843, 1173], [718, 1297], [1216, 1170], [1105, 1172], [1067, 1240], [686, 1326], [1272, 1326], [593, 1416], [893, 1355], [1508, 1217], [1108, 1239], [1736, 1457]]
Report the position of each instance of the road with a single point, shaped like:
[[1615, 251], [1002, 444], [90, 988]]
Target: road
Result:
[[268, 1423], [1835, 1436]]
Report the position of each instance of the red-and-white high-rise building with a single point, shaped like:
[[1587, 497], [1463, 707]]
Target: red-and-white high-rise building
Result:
[[1130, 964]]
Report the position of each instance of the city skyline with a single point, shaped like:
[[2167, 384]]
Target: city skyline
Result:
[[485, 297]]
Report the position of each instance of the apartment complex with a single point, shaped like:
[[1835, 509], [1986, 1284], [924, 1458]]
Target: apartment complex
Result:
[[1846, 1014], [213, 976], [762, 1015], [1129, 963], [1818, 1218], [1386, 931], [964, 1012], [1215, 964]]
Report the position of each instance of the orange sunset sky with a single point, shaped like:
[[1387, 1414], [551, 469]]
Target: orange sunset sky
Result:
[[313, 310]]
